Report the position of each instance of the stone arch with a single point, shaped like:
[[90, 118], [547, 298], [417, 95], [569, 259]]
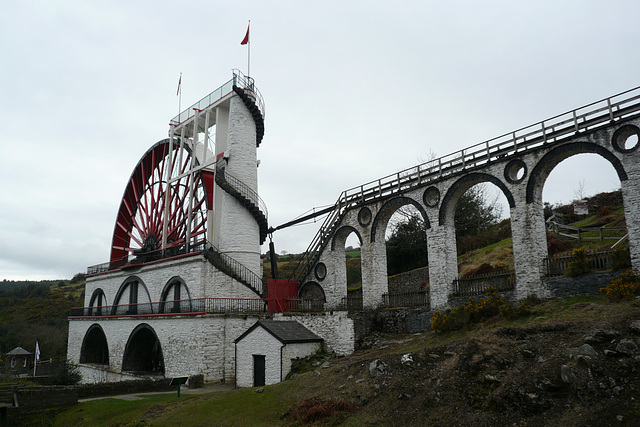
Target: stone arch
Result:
[[131, 284], [312, 290], [97, 301], [341, 236], [550, 160], [143, 352], [95, 348], [447, 207], [388, 209], [175, 297]]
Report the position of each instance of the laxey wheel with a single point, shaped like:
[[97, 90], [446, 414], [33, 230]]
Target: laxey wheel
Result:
[[141, 216]]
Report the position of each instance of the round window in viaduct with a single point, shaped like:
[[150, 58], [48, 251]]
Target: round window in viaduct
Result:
[[321, 271], [364, 216], [515, 171], [431, 197], [626, 138]]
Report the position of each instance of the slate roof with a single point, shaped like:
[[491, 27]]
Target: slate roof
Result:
[[19, 351], [287, 332]]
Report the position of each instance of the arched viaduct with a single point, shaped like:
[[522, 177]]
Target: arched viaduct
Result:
[[518, 163]]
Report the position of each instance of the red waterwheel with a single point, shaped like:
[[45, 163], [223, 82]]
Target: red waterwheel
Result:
[[141, 216]]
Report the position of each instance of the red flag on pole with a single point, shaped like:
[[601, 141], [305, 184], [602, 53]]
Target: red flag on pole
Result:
[[245, 40], [179, 83]]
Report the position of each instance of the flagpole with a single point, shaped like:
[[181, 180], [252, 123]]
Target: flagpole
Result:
[[249, 50], [179, 96], [247, 40]]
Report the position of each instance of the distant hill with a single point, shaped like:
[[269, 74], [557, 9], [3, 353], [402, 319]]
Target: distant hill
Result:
[[33, 311]]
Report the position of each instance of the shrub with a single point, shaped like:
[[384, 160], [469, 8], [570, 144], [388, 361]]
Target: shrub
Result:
[[491, 305], [555, 244], [625, 287], [66, 374], [620, 258], [604, 211], [316, 408], [580, 264]]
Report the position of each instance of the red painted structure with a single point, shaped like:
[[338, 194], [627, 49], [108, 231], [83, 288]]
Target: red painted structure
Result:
[[279, 292]]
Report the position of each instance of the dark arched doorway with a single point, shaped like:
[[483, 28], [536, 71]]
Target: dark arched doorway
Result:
[[94, 347], [143, 353]]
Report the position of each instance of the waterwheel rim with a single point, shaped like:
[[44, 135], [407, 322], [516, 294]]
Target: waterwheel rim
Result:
[[139, 227]]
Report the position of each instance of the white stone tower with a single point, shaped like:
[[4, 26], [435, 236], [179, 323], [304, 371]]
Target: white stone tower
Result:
[[224, 130]]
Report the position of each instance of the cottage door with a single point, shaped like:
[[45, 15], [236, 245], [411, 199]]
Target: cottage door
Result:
[[258, 370]]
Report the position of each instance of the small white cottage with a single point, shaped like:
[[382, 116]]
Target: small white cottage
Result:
[[264, 352]]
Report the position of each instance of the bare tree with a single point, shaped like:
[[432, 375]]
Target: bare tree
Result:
[[578, 193]]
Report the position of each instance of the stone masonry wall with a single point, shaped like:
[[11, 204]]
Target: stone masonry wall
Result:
[[190, 345], [336, 328], [201, 278], [411, 281]]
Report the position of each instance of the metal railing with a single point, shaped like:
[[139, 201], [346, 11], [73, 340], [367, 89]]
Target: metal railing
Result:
[[243, 189], [479, 284], [558, 265], [140, 259], [239, 80], [220, 260], [234, 269], [178, 307], [305, 304], [554, 129], [406, 299], [350, 304]]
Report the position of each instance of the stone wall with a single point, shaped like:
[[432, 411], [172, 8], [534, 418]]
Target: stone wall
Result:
[[297, 351], [95, 375], [201, 278], [392, 321], [123, 387], [411, 281], [565, 287], [336, 328], [190, 345]]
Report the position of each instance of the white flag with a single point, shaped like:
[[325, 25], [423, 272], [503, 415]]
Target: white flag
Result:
[[37, 351]]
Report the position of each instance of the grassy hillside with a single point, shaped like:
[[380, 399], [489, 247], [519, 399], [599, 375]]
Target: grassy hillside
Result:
[[37, 311], [500, 372]]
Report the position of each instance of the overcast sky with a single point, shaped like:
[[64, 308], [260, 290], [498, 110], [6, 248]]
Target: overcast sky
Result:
[[354, 90]]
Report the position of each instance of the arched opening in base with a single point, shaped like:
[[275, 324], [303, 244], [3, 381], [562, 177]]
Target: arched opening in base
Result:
[[94, 347], [143, 353]]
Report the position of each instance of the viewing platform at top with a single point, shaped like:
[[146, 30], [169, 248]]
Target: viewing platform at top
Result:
[[216, 98]]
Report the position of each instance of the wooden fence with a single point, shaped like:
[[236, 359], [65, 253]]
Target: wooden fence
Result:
[[558, 265], [581, 234], [480, 284]]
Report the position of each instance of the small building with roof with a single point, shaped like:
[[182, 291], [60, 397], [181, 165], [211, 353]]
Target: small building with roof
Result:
[[18, 360], [265, 351]]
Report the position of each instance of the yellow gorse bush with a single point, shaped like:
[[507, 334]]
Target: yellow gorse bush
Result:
[[491, 305], [625, 287]]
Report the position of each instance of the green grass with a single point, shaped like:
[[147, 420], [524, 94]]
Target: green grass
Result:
[[241, 407], [106, 412], [415, 269], [501, 244]]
